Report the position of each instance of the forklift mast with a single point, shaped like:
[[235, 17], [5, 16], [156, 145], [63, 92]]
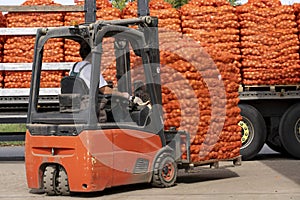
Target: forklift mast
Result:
[[151, 36], [143, 8], [90, 11], [152, 72]]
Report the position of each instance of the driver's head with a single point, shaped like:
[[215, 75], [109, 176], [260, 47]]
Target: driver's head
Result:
[[85, 50]]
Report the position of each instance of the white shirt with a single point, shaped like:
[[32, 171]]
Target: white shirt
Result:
[[85, 73]]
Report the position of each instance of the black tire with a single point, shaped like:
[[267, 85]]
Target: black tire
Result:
[[254, 131], [49, 180], [165, 171], [289, 130], [62, 182]]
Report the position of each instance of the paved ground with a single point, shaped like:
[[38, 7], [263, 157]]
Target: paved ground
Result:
[[270, 176]]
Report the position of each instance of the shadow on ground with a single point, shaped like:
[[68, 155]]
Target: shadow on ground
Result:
[[202, 175], [283, 164], [199, 176]]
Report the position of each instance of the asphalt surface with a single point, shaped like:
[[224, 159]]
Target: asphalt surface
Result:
[[269, 176]]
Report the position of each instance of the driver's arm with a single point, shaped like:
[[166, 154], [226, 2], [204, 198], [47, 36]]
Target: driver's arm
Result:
[[106, 90], [109, 90]]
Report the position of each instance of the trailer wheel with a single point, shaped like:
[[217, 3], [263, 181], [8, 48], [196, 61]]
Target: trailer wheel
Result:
[[62, 182], [253, 131], [49, 180], [289, 130], [165, 171]]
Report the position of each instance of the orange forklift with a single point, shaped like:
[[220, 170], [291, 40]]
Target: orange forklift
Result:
[[68, 147]]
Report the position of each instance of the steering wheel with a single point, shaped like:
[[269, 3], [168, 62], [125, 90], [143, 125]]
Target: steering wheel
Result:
[[120, 108]]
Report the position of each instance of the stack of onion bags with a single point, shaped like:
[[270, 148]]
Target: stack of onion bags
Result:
[[19, 49], [214, 26], [192, 98], [269, 43]]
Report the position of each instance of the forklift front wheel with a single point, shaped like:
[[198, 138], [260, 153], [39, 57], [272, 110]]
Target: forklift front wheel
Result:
[[165, 171]]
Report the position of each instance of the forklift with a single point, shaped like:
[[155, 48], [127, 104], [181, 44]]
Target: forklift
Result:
[[68, 149], [71, 147]]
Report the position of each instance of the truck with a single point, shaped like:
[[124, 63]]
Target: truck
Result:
[[270, 104]]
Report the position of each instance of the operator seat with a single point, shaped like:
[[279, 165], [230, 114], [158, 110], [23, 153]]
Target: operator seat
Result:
[[74, 94], [74, 97], [73, 85]]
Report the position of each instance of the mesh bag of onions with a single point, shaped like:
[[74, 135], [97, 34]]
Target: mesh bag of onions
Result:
[[20, 49]]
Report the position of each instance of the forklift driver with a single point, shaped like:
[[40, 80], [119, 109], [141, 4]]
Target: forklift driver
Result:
[[83, 69]]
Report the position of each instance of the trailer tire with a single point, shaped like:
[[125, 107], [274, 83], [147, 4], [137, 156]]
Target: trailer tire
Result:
[[254, 131], [164, 171], [289, 130]]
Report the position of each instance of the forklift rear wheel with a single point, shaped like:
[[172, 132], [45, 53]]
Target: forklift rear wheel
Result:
[[55, 181], [165, 171], [49, 180], [62, 182]]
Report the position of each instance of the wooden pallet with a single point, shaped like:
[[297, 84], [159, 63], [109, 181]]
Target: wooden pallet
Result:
[[214, 163]]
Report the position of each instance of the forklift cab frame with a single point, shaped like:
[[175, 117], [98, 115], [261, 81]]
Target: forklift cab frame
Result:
[[61, 144], [144, 43]]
